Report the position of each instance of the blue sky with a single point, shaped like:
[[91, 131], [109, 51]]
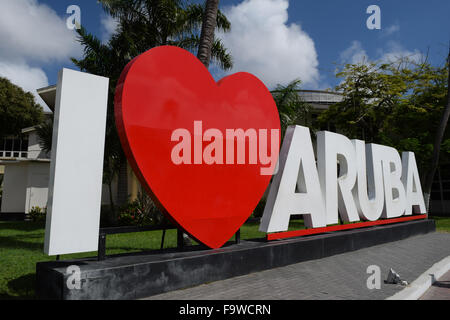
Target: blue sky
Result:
[[277, 40]]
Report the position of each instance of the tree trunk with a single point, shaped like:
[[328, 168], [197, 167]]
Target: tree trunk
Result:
[[437, 147], [207, 33]]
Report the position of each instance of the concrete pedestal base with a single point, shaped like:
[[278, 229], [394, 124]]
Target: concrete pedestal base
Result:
[[148, 273]]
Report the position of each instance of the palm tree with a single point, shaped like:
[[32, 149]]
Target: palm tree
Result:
[[45, 134], [207, 33], [143, 24], [291, 107], [149, 24]]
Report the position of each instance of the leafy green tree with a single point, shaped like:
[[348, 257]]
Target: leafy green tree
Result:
[[413, 122], [370, 94], [18, 109], [439, 136], [399, 104]]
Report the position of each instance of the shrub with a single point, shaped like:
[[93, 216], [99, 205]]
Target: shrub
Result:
[[141, 211], [38, 214]]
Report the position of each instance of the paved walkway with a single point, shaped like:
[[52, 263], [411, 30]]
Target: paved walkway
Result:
[[440, 290], [342, 276]]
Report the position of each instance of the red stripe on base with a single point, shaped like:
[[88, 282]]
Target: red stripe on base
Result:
[[305, 232]]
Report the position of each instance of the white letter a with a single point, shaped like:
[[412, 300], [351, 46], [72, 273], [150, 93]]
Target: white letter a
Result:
[[295, 188]]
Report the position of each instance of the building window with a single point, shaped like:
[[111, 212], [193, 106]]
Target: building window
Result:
[[13, 147]]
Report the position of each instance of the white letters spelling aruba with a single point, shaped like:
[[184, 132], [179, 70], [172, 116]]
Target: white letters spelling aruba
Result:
[[370, 182]]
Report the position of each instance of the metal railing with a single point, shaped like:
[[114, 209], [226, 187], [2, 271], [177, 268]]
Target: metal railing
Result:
[[13, 154], [132, 229]]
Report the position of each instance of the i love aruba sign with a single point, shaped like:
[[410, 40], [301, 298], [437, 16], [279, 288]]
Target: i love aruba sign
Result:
[[206, 151]]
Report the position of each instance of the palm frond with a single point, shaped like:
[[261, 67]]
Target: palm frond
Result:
[[220, 55], [45, 135]]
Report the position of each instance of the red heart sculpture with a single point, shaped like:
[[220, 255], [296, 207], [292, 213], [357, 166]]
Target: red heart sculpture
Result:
[[168, 88]]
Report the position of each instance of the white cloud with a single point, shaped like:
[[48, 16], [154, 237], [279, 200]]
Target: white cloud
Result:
[[32, 35], [391, 29], [109, 26], [32, 31], [262, 43], [395, 51], [354, 54], [392, 52]]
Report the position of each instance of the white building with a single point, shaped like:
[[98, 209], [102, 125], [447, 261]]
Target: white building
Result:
[[25, 168]]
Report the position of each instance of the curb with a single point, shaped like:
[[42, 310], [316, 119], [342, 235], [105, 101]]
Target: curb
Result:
[[419, 286]]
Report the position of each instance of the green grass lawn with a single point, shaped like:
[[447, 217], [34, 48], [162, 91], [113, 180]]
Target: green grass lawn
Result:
[[22, 243], [442, 224], [21, 246]]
